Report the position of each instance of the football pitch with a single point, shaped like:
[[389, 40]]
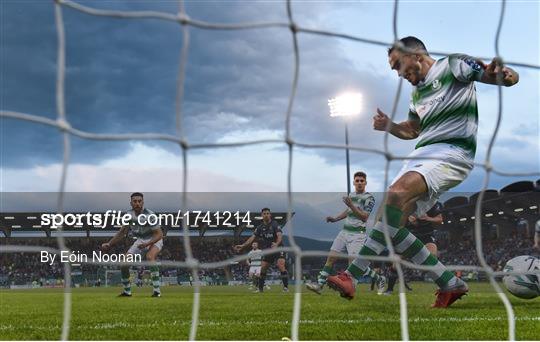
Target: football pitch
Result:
[[234, 313]]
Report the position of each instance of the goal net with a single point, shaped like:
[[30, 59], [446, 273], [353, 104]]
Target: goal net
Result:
[[185, 23]]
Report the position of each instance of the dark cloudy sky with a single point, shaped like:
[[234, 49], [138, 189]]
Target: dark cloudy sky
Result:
[[121, 77]]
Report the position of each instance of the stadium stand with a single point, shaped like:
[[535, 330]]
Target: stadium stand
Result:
[[508, 222]]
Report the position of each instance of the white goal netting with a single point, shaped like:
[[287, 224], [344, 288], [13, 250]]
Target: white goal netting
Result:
[[185, 23]]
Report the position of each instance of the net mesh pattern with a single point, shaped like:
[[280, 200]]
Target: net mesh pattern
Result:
[[185, 22]]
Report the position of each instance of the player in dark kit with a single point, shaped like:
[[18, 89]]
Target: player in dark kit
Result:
[[392, 275], [269, 235], [424, 226]]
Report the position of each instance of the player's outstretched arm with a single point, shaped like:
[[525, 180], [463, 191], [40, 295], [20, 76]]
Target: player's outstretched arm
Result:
[[496, 67], [437, 219], [337, 218], [238, 248], [115, 239], [406, 130]]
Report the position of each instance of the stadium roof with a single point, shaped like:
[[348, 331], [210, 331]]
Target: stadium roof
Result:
[[519, 199]]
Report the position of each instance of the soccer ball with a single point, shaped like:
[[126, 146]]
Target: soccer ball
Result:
[[524, 286]]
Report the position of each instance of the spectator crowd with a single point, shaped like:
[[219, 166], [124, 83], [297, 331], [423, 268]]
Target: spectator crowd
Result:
[[26, 268]]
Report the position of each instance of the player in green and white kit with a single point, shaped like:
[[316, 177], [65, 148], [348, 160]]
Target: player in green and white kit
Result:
[[443, 113], [353, 235], [254, 262], [149, 241]]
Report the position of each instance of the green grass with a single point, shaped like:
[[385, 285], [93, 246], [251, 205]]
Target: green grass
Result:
[[233, 313]]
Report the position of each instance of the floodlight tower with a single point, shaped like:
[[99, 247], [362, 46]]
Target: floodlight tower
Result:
[[347, 105]]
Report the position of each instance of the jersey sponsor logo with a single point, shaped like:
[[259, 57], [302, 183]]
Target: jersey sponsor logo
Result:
[[267, 233], [473, 64], [438, 99], [422, 110], [436, 84]]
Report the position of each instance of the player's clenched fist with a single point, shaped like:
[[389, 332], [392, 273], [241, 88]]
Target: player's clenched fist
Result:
[[105, 246], [348, 201], [380, 121], [508, 76]]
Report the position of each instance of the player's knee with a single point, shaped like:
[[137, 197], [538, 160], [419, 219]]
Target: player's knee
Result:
[[397, 195]]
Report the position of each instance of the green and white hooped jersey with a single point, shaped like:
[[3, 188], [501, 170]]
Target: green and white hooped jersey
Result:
[[142, 231], [365, 202], [255, 258], [445, 103]]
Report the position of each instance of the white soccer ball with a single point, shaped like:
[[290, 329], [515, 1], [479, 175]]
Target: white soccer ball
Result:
[[526, 286]]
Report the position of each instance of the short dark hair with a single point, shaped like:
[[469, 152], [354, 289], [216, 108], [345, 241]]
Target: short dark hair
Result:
[[265, 209], [135, 194], [360, 174], [409, 45]]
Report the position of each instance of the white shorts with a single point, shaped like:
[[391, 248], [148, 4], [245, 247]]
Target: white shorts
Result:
[[134, 249], [255, 270], [439, 175], [349, 242]]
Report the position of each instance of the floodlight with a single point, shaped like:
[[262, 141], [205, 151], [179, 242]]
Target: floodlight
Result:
[[349, 104]]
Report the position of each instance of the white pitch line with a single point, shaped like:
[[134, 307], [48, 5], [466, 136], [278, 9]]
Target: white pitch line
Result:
[[106, 326]]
